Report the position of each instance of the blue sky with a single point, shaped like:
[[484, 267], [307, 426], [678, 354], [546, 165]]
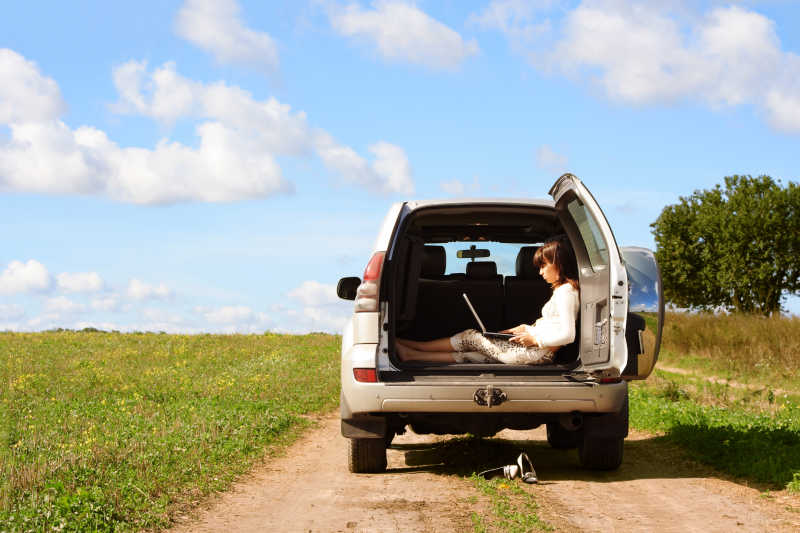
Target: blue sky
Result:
[[217, 165]]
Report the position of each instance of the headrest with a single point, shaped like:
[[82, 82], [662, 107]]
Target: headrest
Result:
[[433, 262], [481, 270], [525, 267]]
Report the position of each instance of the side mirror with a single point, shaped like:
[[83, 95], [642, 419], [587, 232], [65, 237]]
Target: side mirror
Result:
[[346, 288]]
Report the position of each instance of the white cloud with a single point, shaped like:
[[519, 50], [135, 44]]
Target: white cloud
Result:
[[515, 19], [263, 128], [457, 187], [322, 309], [642, 54], [163, 94], [43, 155], [239, 141], [62, 304], [454, 187], [139, 290], [318, 319], [11, 312], [45, 321], [551, 161], [782, 102], [314, 293], [390, 171], [80, 282], [105, 304], [235, 319], [31, 276], [228, 314], [164, 316], [103, 326], [110, 303], [215, 26], [329, 319], [654, 52], [24, 93], [403, 33]]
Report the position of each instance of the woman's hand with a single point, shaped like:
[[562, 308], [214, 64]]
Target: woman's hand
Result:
[[524, 338], [516, 330]]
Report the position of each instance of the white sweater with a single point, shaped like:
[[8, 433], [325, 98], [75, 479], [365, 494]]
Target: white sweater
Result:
[[557, 325]]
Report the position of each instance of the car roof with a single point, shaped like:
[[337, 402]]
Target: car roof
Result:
[[510, 202]]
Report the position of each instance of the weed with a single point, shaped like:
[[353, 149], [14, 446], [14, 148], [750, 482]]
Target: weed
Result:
[[674, 392], [742, 438], [478, 525], [794, 484], [738, 346], [116, 432], [514, 509]]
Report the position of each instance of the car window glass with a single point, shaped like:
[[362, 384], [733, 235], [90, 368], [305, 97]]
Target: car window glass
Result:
[[503, 254], [590, 232]]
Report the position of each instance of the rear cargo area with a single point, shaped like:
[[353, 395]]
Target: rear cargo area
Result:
[[426, 286]]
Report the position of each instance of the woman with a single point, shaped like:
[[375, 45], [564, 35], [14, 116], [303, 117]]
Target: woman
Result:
[[531, 344]]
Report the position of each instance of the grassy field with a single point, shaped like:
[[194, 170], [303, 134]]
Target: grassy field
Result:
[[752, 434], [115, 432], [746, 348], [749, 426], [514, 509]]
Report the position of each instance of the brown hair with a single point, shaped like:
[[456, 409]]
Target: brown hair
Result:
[[558, 251]]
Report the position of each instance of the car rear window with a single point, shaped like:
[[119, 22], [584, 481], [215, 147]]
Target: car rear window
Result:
[[502, 253]]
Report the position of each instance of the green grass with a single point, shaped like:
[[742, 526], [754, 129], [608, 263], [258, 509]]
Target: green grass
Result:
[[746, 348], [751, 431], [511, 503], [513, 509], [752, 434], [117, 432]]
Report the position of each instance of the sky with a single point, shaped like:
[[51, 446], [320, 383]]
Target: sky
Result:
[[217, 165]]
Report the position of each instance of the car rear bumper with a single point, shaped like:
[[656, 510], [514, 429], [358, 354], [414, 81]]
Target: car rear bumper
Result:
[[539, 397]]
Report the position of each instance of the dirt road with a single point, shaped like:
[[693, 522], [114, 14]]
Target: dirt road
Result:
[[656, 489]]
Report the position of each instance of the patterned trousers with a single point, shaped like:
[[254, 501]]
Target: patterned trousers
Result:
[[471, 346]]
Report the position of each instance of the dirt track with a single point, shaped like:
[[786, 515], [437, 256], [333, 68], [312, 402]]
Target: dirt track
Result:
[[656, 489]]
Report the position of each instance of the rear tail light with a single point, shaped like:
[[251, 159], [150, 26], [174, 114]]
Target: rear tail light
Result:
[[365, 375], [367, 293]]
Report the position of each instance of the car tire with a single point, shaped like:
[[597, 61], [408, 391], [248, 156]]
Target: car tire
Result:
[[561, 438], [601, 453], [367, 456]]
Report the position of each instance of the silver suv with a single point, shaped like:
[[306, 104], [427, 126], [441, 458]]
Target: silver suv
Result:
[[426, 257]]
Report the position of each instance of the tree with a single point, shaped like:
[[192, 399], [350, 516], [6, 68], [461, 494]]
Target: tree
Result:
[[735, 247]]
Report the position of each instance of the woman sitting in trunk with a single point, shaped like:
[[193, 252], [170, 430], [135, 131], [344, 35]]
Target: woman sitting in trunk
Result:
[[534, 344]]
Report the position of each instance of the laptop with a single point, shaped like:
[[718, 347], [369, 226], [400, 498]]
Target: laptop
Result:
[[487, 334]]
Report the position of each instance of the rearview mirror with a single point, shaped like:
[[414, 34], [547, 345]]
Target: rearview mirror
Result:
[[346, 288], [472, 253]]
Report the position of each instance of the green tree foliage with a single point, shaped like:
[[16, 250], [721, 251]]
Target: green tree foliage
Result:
[[735, 246]]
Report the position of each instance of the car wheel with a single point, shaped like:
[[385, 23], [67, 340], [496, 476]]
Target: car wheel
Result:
[[601, 454], [561, 438], [367, 456]]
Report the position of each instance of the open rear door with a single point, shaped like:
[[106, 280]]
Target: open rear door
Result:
[[645, 319], [603, 279]]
